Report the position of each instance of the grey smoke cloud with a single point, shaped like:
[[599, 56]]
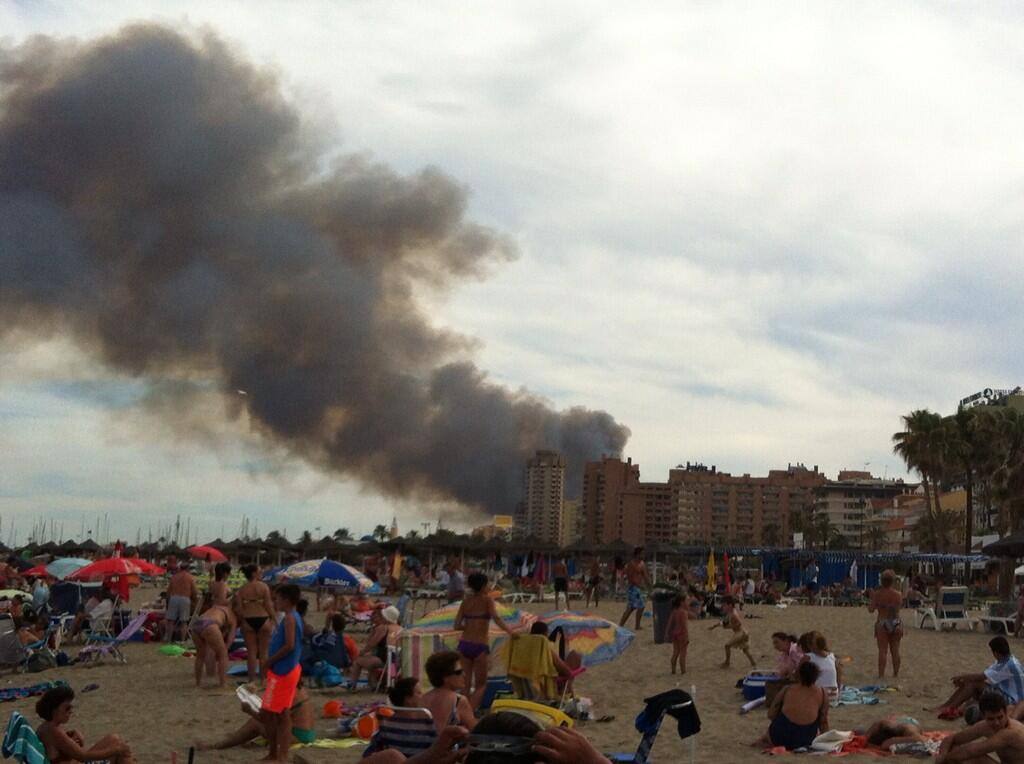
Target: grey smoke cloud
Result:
[[161, 203]]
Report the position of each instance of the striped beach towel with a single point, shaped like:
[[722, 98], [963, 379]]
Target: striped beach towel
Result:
[[22, 742]]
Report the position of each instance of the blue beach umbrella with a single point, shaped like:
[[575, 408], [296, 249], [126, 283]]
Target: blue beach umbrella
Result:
[[326, 572], [65, 566]]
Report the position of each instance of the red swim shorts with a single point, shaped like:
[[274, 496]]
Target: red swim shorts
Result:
[[280, 692]]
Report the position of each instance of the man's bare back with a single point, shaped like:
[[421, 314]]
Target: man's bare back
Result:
[[181, 585]]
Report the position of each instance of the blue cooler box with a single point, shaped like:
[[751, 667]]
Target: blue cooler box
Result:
[[753, 684]]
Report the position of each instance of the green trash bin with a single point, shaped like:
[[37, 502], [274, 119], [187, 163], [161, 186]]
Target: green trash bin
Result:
[[661, 607]]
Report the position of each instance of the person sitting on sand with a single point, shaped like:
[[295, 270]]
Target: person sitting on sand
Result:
[[55, 708], [731, 619], [212, 632], [446, 702], [789, 656], [637, 580], [893, 730], [799, 712], [303, 725], [31, 633], [1006, 676], [886, 601], [996, 734], [830, 672]]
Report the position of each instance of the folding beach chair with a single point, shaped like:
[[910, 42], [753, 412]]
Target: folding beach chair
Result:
[[651, 725], [98, 646], [22, 742], [531, 668], [407, 730], [99, 626], [392, 665], [950, 610], [47, 655]]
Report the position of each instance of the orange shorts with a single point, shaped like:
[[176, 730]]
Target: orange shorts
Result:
[[280, 692]]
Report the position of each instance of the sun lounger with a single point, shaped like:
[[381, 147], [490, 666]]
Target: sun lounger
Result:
[[98, 646], [950, 610]]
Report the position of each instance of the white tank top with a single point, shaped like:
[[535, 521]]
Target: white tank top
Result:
[[827, 670]]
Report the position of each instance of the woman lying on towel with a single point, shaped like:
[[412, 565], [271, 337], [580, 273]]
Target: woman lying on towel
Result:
[[63, 745], [303, 722]]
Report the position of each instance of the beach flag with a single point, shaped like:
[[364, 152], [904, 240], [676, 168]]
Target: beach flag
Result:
[[711, 571], [396, 566]]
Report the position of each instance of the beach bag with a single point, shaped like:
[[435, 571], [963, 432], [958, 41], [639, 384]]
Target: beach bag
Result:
[[326, 675], [40, 662]]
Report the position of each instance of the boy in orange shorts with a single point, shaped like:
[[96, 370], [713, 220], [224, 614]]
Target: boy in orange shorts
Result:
[[284, 673]]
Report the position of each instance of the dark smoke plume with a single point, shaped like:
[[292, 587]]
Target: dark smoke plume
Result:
[[160, 202]]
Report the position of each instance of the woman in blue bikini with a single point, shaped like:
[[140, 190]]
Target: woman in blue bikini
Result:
[[474, 621]]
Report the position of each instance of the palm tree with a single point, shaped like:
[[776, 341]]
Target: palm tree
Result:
[[1008, 477], [342, 534], [921, 446], [413, 534], [937, 532], [381, 533], [875, 537], [306, 538]]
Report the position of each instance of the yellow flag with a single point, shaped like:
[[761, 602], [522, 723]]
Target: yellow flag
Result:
[[711, 584], [396, 567]]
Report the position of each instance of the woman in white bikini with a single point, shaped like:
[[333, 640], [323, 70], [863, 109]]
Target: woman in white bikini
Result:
[[886, 601]]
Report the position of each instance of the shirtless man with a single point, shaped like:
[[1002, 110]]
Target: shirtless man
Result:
[[594, 581], [741, 640], [560, 572], [996, 734], [182, 595], [636, 577]]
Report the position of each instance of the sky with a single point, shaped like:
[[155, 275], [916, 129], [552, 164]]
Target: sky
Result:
[[756, 234]]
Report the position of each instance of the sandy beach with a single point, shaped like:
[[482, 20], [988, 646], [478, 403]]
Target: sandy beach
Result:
[[153, 703]]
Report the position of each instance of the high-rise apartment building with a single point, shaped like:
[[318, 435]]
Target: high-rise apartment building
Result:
[[611, 503], [718, 508], [541, 511], [569, 529], [849, 504]]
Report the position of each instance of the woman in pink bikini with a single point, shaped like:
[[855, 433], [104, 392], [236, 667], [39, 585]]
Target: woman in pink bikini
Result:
[[474, 621]]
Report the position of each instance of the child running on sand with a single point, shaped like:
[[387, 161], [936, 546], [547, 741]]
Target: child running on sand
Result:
[[731, 619], [678, 628]]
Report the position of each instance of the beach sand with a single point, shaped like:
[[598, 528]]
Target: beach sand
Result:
[[153, 703]]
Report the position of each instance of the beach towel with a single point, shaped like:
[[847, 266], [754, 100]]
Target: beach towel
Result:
[[22, 742], [858, 744], [853, 696], [831, 741], [530, 667], [1007, 676], [18, 693]]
